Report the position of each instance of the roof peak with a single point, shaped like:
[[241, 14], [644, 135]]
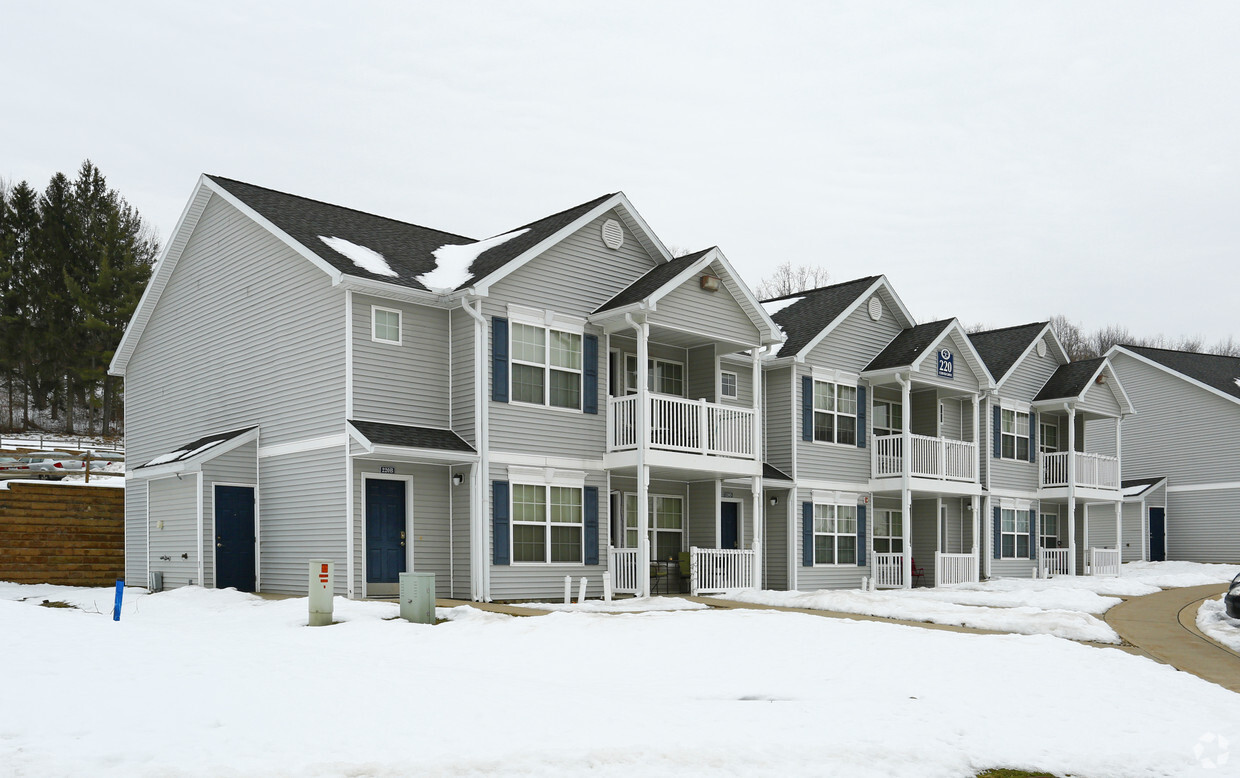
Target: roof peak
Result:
[[562, 211], [803, 293], [1178, 351], [1038, 324]]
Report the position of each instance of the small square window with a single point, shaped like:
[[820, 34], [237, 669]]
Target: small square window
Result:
[[385, 325], [727, 385]]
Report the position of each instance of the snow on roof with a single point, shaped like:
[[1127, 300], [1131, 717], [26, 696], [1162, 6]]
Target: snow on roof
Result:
[[367, 259], [184, 453], [1238, 382], [453, 261], [775, 306]]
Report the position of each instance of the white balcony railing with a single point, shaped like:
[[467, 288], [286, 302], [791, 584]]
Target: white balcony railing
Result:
[[1052, 561], [622, 564], [716, 570], [888, 571], [954, 568], [1104, 561], [676, 424], [942, 458], [1092, 470]]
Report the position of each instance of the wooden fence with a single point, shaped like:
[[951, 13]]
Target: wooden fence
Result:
[[67, 534]]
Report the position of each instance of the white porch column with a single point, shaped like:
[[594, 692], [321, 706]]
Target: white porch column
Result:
[[758, 444], [1072, 490], [643, 470], [906, 494], [1119, 529], [975, 506], [759, 519], [977, 448]]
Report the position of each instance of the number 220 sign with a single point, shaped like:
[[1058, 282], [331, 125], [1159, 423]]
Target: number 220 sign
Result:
[[947, 364]]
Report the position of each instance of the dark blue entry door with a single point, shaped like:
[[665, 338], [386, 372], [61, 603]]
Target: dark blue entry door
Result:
[[728, 525], [234, 537], [385, 530], [1158, 535]]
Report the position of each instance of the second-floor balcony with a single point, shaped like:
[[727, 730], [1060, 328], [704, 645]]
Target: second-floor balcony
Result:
[[1095, 471], [939, 458], [687, 426]]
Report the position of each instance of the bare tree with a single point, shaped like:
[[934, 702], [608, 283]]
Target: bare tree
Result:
[[789, 280], [1073, 338]]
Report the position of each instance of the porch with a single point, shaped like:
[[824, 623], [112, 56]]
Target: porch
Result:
[[677, 424], [937, 547], [1096, 471], [930, 457]]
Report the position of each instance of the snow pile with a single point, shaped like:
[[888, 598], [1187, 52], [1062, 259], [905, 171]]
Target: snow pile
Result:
[[1212, 619], [916, 606], [1106, 587], [453, 260], [1174, 575], [367, 259], [776, 306], [628, 605], [203, 682]]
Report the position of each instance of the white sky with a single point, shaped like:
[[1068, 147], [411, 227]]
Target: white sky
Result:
[[1000, 162]]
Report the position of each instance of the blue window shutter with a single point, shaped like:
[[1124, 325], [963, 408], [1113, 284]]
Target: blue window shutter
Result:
[[861, 544], [591, 531], [500, 526], [998, 432], [861, 417], [998, 533], [807, 534], [1033, 533], [499, 359], [589, 373], [807, 408], [1033, 436]]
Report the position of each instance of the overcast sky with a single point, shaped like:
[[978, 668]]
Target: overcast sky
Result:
[[999, 162]]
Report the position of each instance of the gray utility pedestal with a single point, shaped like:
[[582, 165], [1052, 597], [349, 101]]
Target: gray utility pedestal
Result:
[[322, 584], [417, 597]]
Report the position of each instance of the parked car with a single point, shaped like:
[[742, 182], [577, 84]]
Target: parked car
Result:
[[10, 467], [51, 465]]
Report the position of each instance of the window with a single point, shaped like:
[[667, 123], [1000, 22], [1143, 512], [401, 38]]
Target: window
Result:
[[835, 413], [727, 385], [888, 420], [547, 523], [1050, 438], [385, 325], [888, 532], [662, 376], [835, 534], [1049, 537], [1015, 435], [546, 366], [666, 524], [1015, 527]]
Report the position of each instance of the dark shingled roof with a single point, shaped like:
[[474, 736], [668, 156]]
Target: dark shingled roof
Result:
[[772, 473], [1215, 371], [652, 282], [411, 437], [1146, 482], [909, 345], [804, 319], [193, 448], [1070, 380], [1000, 349]]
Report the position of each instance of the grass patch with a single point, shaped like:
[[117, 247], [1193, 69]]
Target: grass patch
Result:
[[54, 604], [1003, 772]]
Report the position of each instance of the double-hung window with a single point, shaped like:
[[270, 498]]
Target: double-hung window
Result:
[[662, 376], [1015, 435], [547, 523], [835, 534], [667, 522], [835, 413], [888, 532], [727, 385], [1049, 535], [546, 366], [1015, 528], [385, 325], [1049, 443], [888, 419]]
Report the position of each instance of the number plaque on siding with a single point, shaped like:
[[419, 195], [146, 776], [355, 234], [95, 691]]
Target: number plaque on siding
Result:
[[947, 364], [387, 470]]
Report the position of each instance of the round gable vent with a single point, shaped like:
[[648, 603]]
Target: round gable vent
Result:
[[876, 308], [1042, 347], [613, 234]]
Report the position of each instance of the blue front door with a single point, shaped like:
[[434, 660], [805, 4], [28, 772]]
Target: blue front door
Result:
[[234, 537], [385, 530], [728, 525], [1158, 535]]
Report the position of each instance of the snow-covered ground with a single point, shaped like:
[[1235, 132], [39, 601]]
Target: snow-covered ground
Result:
[[627, 605], [1212, 619], [204, 682]]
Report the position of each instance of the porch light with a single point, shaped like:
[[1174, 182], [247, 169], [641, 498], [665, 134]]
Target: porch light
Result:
[[457, 479], [710, 283], [774, 500]]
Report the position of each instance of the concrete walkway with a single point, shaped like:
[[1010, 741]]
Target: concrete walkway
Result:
[[1164, 627]]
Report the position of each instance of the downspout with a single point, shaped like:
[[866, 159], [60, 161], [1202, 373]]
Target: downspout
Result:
[[480, 580], [1071, 409]]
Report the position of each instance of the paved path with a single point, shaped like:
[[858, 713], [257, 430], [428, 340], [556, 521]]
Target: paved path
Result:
[[1164, 627]]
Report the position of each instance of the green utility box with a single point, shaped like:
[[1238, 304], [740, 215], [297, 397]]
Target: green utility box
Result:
[[417, 597]]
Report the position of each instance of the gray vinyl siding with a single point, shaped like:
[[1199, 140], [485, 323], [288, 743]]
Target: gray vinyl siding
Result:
[[1009, 474], [856, 341], [924, 531], [700, 374], [828, 576], [1100, 436], [174, 501], [1204, 526], [959, 527], [952, 418], [246, 332], [1012, 568], [833, 461], [302, 506], [460, 588], [1101, 526], [778, 424], [1134, 528], [238, 466], [924, 415], [702, 515], [744, 382], [1029, 376], [775, 540], [712, 314], [406, 383], [429, 529], [462, 328], [545, 582], [137, 564], [1099, 399], [964, 378]]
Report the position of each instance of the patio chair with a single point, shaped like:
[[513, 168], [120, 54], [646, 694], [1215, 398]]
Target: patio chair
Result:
[[657, 571], [918, 573], [685, 571]]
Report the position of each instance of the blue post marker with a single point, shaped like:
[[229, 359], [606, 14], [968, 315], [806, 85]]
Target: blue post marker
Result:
[[120, 595]]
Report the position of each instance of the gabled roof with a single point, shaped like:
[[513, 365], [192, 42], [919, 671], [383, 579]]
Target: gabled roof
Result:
[[408, 436], [1070, 380], [201, 450], [654, 280], [1217, 373], [1003, 349], [908, 347], [1135, 487], [772, 473], [806, 317]]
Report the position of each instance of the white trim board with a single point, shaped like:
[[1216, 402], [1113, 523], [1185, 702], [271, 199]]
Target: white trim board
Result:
[[303, 445], [1220, 486]]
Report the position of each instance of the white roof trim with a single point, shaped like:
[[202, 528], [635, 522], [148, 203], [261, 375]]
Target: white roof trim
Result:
[[194, 464], [1171, 371], [862, 299], [1116, 388], [977, 363], [1033, 344]]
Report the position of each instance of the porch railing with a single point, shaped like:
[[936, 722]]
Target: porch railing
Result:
[[1052, 561], [623, 567], [1092, 470], [888, 571], [954, 568], [716, 570], [1104, 561], [942, 458], [676, 424]]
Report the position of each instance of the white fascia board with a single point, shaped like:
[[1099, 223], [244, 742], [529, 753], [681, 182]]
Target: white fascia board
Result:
[[1169, 371], [361, 439], [410, 454], [1117, 388], [648, 235], [606, 319], [164, 471], [861, 299], [975, 359], [761, 320], [397, 292], [195, 463], [1033, 344]]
